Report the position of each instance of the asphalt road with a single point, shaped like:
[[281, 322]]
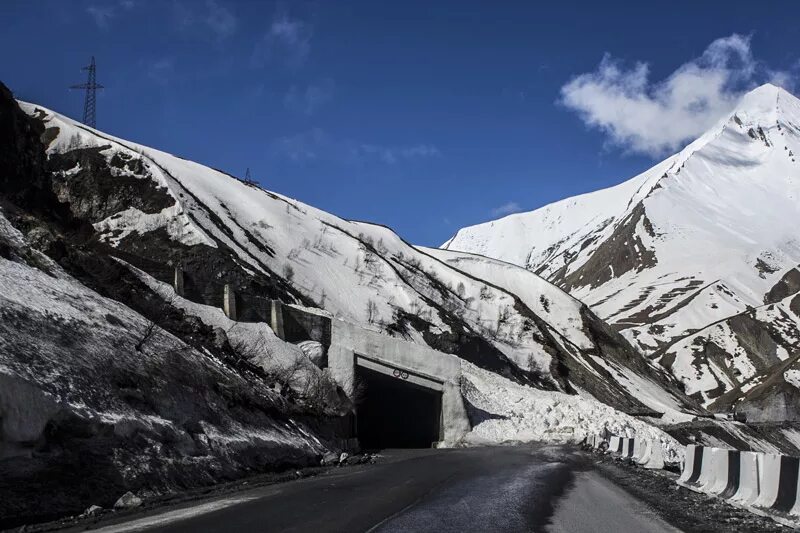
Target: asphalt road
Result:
[[525, 488]]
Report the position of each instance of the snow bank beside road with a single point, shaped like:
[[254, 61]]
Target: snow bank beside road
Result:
[[506, 411]]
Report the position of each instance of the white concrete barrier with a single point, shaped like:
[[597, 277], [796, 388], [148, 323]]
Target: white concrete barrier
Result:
[[649, 454], [778, 479], [707, 471], [639, 449], [655, 456], [615, 445], [795, 510], [627, 448], [769, 473], [723, 473], [749, 483], [692, 465]]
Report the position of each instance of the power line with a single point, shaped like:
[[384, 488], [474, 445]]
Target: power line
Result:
[[91, 86]]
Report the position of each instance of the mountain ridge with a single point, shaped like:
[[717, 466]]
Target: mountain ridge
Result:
[[668, 253]]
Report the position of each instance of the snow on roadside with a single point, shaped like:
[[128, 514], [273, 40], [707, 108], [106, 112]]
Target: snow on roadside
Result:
[[520, 413]]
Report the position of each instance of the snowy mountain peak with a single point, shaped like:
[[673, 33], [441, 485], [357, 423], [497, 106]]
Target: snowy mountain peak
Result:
[[765, 92], [768, 106]]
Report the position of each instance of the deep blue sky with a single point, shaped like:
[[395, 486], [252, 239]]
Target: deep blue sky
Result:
[[424, 116]]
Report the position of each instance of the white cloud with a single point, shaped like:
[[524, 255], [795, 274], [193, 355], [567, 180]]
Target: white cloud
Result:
[[287, 38], [220, 20], [391, 155], [506, 209], [309, 100], [648, 117], [104, 14], [302, 147], [161, 70], [209, 18], [316, 144]]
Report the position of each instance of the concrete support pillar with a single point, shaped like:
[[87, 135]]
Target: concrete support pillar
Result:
[[229, 302], [342, 366], [177, 282], [276, 318], [454, 422]]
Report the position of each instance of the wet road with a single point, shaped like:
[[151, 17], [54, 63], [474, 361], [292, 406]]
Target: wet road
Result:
[[524, 488]]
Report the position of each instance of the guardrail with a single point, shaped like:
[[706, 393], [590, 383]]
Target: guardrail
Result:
[[764, 483], [645, 452]]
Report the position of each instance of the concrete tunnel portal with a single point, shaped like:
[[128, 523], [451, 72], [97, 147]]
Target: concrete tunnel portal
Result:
[[406, 395], [394, 412]]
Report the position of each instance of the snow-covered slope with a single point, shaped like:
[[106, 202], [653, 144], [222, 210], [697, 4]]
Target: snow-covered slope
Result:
[[566, 317], [154, 210], [92, 411], [673, 256], [104, 387]]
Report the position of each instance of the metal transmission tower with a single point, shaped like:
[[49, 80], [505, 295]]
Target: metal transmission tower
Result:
[[91, 86], [248, 179]]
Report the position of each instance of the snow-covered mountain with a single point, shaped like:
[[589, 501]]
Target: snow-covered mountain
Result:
[[103, 359], [695, 260], [154, 210]]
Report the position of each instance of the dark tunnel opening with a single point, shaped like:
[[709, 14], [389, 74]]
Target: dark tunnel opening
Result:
[[394, 413]]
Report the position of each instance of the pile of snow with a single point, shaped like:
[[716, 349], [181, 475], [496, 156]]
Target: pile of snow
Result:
[[562, 313], [517, 413]]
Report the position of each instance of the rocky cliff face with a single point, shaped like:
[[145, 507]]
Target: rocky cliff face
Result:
[[695, 260], [105, 393]]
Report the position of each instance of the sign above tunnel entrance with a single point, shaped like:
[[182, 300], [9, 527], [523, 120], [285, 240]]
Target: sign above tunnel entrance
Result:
[[416, 378]]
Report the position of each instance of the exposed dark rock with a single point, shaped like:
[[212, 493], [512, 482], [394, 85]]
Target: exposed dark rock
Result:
[[96, 188], [623, 251], [789, 284], [764, 268]]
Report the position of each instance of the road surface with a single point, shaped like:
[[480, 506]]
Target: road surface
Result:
[[521, 488]]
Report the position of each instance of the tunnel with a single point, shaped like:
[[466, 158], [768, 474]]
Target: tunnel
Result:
[[394, 413]]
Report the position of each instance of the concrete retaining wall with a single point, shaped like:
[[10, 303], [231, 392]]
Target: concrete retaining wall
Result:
[[300, 323]]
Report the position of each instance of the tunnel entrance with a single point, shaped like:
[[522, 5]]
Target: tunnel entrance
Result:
[[395, 413]]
